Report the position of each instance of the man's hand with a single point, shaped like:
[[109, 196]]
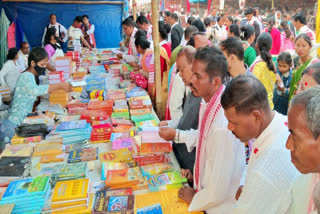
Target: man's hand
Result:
[[66, 87], [239, 192], [167, 133], [119, 56], [186, 173], [186, 194], [163, 123]]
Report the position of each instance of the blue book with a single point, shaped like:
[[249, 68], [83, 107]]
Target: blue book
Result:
[[153, 209], [29, 187], [70, 125]]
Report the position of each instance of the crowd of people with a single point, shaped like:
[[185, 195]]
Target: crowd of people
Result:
[[227, 79], [228, 83]]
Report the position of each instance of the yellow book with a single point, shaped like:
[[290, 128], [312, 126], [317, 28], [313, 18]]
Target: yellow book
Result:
[[6, 208], [48, 149], [69, 204], [17, 151], [116, 156], [169, 200], [70, 191], [79, 210]]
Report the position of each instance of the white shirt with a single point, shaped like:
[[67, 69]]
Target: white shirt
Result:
[[302, 194], [9, 74], [221, 169], [176, 100], [134, 56], [22, 61], [56, 25], [270, 173], [76, 34]]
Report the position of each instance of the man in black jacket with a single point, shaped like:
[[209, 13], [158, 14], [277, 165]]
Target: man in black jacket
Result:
[[176, 32]]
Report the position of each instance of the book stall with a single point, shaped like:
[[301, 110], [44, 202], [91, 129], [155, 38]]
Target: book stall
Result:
[[95, 150]]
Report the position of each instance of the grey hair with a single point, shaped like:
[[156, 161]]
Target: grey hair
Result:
[[189, 52], [310, 100]]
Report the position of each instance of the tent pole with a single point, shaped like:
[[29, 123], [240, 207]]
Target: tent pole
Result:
[[134, 9], [157, 68]]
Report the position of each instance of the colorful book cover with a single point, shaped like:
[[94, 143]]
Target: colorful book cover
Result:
[[117, 156], [69, 171], [123, 177], [169, 179], [120, 203], [157, 168], [72, 190], [13, 166], [122, 143], [82, 155], [106, 166], [153, 209], [27, 188], [78, 124], [17, 151], [124, 115], [76, 146]]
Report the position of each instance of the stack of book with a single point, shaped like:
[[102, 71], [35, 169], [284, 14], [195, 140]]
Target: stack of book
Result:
[[56, 77], [74, 131], [64, 64], [28, 195], [101, 133], [115, 96], [94, 115], [59, 97], [153, 143], [76, 108], [70, 196], [105, 106]]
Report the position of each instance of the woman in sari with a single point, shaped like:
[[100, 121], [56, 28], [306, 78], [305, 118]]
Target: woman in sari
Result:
[[303, 47]]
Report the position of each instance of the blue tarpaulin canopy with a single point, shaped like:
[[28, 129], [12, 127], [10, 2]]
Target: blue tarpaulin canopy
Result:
[[34, 17]]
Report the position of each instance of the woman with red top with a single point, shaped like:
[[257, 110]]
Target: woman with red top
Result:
[[276, 38]]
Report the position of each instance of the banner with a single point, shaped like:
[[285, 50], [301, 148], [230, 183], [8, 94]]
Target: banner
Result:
[[188, 6], [209, 6], [221, 5]]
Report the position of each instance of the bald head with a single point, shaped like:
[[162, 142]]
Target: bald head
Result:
[[184, 61], [200, 40], [188, 52]]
